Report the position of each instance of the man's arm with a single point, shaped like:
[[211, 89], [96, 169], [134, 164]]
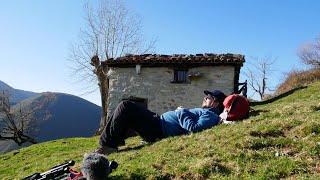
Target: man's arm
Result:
[[195, 123]]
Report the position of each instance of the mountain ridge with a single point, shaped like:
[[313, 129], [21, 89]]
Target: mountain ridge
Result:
[[16, 95], [59, 115]]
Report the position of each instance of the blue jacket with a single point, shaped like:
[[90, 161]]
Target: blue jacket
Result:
[[184, 121]]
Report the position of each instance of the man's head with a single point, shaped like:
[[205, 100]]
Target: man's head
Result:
[[213, 99]]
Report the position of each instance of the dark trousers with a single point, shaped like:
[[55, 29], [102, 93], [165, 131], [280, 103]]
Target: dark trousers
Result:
[[129, 115]]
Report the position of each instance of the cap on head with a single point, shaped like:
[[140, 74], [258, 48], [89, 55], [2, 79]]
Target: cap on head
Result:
[[219, 95]]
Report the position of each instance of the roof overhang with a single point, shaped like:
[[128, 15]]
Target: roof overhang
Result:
[[155, 60]]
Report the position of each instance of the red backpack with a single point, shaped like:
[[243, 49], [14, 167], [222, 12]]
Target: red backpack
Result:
[[237, 107]]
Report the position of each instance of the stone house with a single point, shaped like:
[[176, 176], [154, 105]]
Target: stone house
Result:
[[164, 82]]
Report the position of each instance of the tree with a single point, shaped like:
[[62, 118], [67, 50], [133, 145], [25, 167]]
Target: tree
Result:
[[15, 125], [258, 75], [310, 53], [111, 31]]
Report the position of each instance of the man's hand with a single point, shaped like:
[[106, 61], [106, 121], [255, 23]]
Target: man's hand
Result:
[[179, 108], [224, 115]]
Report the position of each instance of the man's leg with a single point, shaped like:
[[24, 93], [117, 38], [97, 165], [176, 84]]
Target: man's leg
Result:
[[130, 115]]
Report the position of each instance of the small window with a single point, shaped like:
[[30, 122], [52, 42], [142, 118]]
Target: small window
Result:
[[180, 76]]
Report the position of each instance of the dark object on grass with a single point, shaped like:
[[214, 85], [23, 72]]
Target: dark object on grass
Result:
[[96, 166], [57, 172]]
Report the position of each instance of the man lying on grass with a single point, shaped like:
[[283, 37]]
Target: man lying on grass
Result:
[[151, 127]]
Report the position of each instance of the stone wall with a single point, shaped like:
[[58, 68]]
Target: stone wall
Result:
[[154, 85]]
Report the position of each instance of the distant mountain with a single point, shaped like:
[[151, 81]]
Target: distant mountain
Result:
[[16, 95], [58, 116]]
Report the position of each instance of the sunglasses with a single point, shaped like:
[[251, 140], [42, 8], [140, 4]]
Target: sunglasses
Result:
[[209, 97]]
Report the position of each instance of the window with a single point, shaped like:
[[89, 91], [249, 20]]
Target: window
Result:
[[180, 76]]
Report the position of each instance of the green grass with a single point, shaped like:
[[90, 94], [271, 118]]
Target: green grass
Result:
[[279, 140]]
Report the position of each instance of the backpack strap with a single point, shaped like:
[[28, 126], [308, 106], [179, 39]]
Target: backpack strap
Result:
[[233, 101], [224, 115]]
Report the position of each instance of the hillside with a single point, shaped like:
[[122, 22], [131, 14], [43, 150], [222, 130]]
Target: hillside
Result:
[[279, 140], [63, 115], [58, 116], [16, 95]]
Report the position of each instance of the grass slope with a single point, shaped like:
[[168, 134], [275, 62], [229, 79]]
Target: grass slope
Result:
[[280, 140]]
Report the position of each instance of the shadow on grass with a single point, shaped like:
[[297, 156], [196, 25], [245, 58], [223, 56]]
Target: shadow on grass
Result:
[[261, 143], [132, 148], [139, 174], [144, 144], [270, 133], [117, 177], [132, 176], [254, 112], [277, 97], [315, 108]]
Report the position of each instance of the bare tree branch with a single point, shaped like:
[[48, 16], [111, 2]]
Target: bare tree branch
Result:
[[258, 75], [14, 125], [111, 31], [310, 53]]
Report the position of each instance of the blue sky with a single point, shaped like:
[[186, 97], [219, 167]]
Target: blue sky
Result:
[[35, 36]]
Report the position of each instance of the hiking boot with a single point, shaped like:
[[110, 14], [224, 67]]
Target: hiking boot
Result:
[[105, 150]]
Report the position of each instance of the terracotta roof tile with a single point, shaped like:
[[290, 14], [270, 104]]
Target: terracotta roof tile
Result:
[[169, 60]]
